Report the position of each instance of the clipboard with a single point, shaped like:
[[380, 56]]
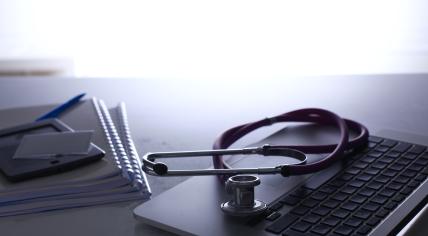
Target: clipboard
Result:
[[22, 169]]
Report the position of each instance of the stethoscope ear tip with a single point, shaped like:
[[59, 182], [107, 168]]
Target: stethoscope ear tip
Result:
[[160, 168]]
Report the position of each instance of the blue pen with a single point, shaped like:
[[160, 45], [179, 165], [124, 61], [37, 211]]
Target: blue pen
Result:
[[61, 108]]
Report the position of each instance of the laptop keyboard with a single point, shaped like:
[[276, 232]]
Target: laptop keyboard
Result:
[[355, 200]]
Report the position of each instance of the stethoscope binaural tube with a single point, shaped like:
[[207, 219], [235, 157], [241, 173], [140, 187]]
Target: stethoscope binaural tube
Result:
[[313, 115]]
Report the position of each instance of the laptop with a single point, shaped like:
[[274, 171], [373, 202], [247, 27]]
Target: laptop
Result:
[[374, 191]]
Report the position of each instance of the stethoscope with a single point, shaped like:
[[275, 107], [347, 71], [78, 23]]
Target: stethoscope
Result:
[[240, 181]]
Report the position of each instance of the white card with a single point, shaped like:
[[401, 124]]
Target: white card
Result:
[[48, 145]]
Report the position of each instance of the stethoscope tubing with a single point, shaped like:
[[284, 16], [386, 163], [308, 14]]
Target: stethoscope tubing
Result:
[[313, 115]]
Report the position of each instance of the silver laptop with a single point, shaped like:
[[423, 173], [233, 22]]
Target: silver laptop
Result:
[[376, 191]]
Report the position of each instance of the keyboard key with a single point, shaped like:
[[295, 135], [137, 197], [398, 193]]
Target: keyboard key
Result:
[[353, 222], [343, 230], [353, 171], [386, 159], [340, 196], [356, 183], [375, 139], [389, 173], [381, 149], [328, 189], [391, 205], [346, 177], [365, 229], [393, 154], [375, 154], [409, 156], [373, 221], [311, 203], [358, 199], [370, 207], [275, 215], [409, 173], [389, 143], [350, 206], [301, 226], [396, 167], [364, 177], [319, 196], [322, 211], [311, 218], [290, 200], [368, 159], [382, 179], [387, 192], [374, 171], [321, 229], [382, 213], [300, 210], [367, 192], [415, 167], [282, 223], [331, 203], [348, 190], [379, 165], [402, 179], [401, 147], [375, 185], [331, 221], [340, 213], [360, 165], [379, 199], [395, 186], [363, 214]]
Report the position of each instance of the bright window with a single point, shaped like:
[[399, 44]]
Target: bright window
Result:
[[219, 39]]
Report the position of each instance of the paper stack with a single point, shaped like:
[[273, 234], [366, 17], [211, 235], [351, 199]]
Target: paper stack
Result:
[[116, 178]]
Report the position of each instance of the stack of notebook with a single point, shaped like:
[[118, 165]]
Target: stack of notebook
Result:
[[115, 178]]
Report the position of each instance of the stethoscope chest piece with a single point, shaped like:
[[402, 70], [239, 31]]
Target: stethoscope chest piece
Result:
[[243, 202]]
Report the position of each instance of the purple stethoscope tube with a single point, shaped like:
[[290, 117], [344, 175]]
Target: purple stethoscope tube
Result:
[[313, 115]]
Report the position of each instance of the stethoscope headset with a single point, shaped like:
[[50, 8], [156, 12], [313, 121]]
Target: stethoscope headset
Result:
[[239, 181]]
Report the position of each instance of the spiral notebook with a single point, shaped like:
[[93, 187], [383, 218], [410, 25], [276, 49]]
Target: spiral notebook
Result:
[[115, 178]]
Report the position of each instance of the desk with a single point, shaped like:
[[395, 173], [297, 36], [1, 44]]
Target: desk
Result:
[[183, 114]]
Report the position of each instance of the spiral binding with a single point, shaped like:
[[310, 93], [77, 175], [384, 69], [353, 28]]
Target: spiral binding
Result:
[[122, 146], [125, 134]]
